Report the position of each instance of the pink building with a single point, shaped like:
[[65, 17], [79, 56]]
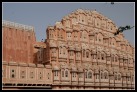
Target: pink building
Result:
[[80, 52]]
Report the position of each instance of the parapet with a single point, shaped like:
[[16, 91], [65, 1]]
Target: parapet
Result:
[[17, 25]]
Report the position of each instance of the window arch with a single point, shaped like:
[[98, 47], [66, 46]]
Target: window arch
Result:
[[90, 75]]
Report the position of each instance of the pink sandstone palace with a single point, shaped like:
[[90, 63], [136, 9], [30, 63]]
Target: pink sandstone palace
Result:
[[80, 52]]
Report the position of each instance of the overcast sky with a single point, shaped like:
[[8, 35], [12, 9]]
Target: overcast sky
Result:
[[41, 15]]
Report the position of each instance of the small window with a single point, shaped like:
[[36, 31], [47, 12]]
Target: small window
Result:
[[115, 77], [87, 54], [98, 56], [62, 73], [66, 73], [119, 77], [77, 54], [102, 58], [105, 75], [12, 75], [72, 74], [48, 75], [75, 74], [101, 75], [28, 37], [128, 78], [85, 74], [22, 74], [83, 53], [116, 59], [12, 70], [56, 73], [97, 77], [31, 75], [89, 75]]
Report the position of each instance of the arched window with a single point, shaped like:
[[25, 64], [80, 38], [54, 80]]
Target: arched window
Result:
[[115, 76], [98, 55], [86, 75], [102, 55], [60, 50], [105, 75], [87, 54], [66, 73], [72, 74], [112, 58], [101, 75], [83, 53], [115, 58], [56, 73], [63, 73], [132, 78], [64, 50], [89, 75]]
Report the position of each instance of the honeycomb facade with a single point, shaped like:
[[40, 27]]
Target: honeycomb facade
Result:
[[80, 52]]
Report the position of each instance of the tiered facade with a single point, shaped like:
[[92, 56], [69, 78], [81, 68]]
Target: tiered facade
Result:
[[80, 52]]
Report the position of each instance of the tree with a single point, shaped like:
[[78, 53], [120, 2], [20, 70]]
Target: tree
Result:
[[121, 29]]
